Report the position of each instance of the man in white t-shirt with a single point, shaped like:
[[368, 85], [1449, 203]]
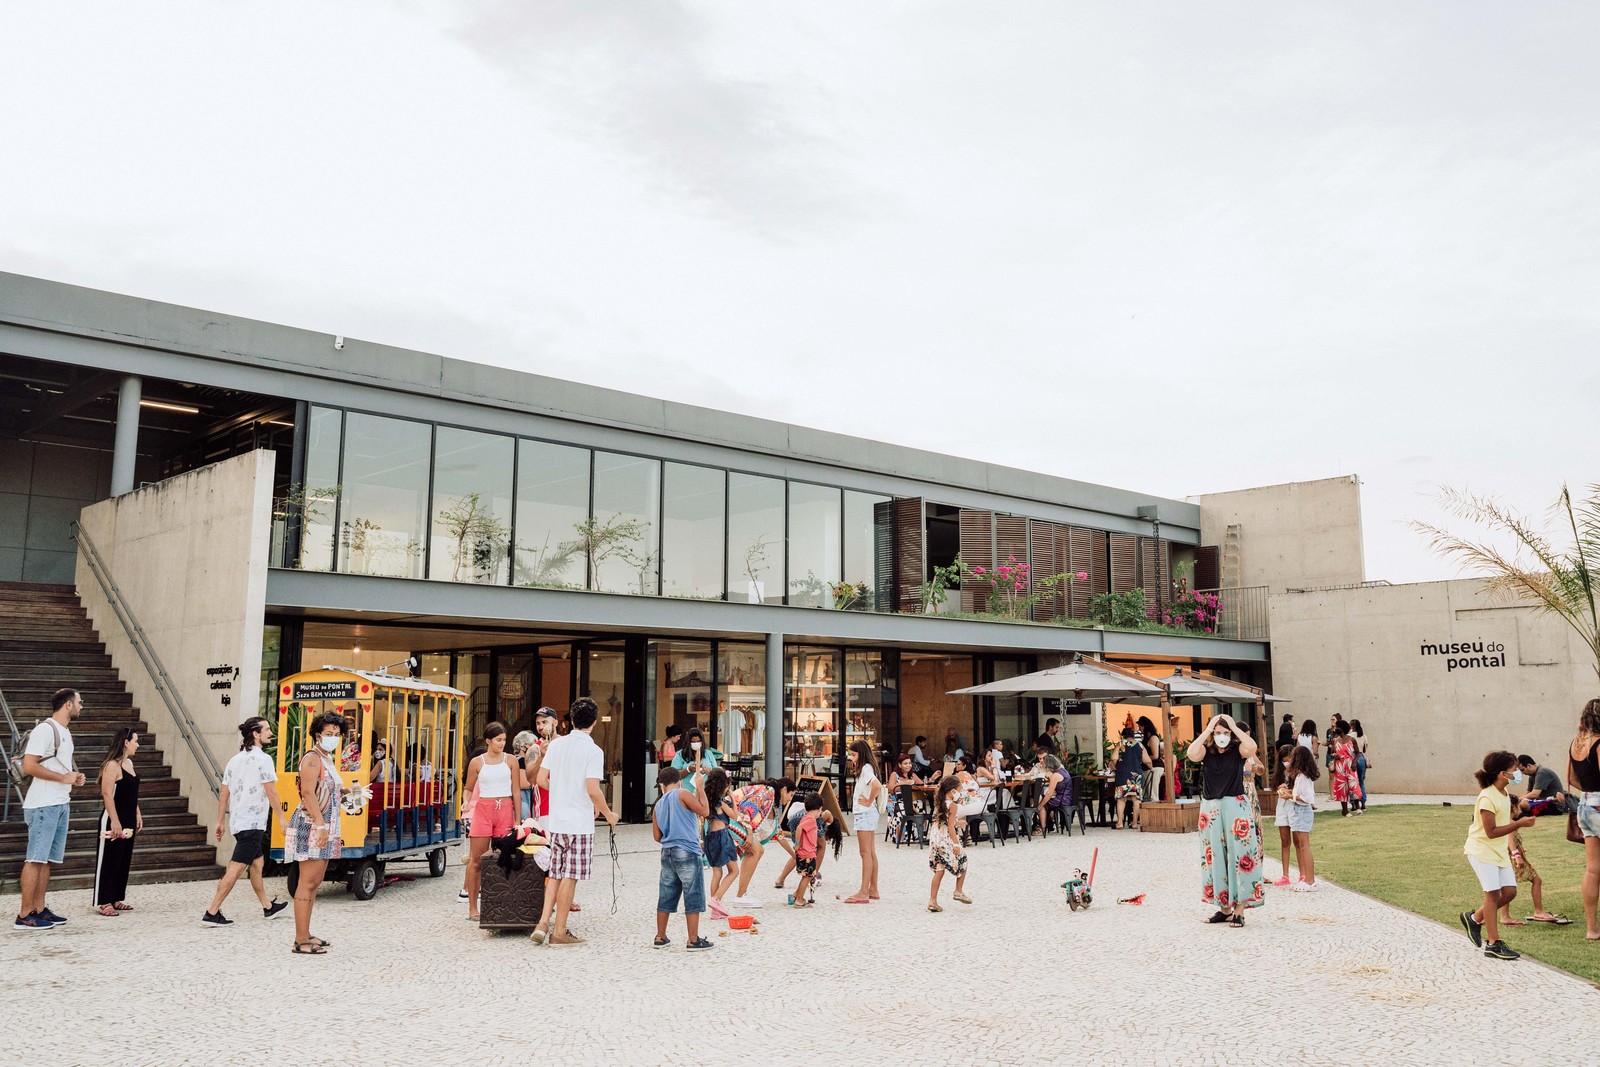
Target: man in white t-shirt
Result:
[[249, 794], [47, 760], [570, 773]]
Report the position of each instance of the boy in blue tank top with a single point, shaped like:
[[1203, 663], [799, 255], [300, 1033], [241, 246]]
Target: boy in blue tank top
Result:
[[675, 824]]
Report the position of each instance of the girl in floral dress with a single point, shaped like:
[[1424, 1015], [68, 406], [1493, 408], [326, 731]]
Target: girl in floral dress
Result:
[[1231, 857], [944, 840], [1346, 784]]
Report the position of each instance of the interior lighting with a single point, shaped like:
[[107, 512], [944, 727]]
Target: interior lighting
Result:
[[161, 405], [356, 649]]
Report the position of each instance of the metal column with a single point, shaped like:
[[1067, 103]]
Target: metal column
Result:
[[127, 439], [775, 713]]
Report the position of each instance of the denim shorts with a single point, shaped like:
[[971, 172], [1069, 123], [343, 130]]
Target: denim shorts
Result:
[[47, 832], [1588, 819], [1301, 817], [720, 849], [681, 875]]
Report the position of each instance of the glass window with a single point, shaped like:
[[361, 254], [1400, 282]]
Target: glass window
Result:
[[621, 538], [860, 551], [693, 509], [814, 550], [742, 700], [755, 539], [471, 506], [872, 705], [683, 689], [383, 511], [317, 498], [552, 508], [811, 695]]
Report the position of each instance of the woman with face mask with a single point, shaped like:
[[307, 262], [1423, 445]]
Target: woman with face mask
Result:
[[695, 753], [311, 837], [1231, 864]]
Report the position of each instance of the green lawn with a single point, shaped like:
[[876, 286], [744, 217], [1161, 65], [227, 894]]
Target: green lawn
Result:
[[1410, 855]]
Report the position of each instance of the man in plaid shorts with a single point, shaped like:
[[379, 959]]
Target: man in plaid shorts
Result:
[[570, 774]]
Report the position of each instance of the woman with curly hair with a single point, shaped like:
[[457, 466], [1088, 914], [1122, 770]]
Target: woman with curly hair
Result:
[[1583, 775], [1231, 866], [944, 841], [1346, 784]]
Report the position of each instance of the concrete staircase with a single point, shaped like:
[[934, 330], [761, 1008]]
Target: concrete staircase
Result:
[[47, 643]]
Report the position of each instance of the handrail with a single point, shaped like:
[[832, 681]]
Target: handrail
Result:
[[6, 750], [209, 767]]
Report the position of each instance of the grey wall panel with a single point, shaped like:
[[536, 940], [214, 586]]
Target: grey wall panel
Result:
[[11, 560], [16, 466], [54, 567], [68, 472], [13, 520]]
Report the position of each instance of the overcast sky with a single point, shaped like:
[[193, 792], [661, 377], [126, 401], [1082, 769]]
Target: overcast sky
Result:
[[1177, 248]]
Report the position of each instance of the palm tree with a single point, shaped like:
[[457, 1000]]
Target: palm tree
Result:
[[1560, 579]]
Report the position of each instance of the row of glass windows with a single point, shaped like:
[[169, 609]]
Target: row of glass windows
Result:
[[406, 499]]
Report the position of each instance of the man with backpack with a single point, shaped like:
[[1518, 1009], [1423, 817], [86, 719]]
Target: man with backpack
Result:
[[47, 759]]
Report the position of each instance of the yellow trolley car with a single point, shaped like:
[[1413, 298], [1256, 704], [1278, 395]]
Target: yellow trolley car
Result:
[[414, 810]]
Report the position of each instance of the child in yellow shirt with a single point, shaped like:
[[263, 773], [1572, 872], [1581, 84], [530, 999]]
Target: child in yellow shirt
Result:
[[1487, 849]]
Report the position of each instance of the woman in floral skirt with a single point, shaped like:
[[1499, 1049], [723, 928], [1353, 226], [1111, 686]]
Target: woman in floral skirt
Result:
[[1231, 861]]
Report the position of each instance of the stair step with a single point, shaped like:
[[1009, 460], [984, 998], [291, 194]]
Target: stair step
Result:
[[80, 861]]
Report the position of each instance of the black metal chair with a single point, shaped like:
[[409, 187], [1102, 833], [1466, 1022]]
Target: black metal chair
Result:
[[1078, 805], [985, 818], [1021, 816], [913, 821]]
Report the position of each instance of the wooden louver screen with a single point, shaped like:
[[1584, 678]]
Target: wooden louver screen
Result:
[[1044, 557], [1153, 576], [1124, 561], [1086, 554], [1010, 539], [1207, 567], [905, 548], [977, 550]]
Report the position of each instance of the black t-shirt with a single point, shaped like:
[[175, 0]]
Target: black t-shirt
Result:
[[1224, 773], [1286, 734]]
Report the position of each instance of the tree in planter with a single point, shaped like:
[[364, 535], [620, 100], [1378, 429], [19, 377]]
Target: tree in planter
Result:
[[612, 539], [477, 534], [756, 565], [1559, 578], [934, 593], [548, 566], [301, 506], [357, 540]]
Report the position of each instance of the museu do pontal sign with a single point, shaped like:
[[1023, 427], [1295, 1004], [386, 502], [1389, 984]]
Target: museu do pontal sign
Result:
[[1464, 655]]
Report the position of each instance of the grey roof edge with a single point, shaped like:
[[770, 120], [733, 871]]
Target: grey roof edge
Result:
[[61, 307]]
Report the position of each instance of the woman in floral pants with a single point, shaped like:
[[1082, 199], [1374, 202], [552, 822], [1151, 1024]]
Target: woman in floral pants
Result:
[[1231, 856]]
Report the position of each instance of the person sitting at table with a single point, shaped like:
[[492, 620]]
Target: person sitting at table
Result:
[[919, 759], [977, 783], [1057, 792], [992, 758], [954, 746], [903, 773]]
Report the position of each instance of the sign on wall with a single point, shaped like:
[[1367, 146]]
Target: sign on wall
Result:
[[1466, 655], [222, 678]]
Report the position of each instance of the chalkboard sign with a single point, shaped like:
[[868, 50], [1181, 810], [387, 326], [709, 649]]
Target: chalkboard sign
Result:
[[324, 691], [809, 783]]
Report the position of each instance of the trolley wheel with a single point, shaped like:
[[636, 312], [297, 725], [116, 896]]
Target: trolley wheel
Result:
[[293, 879], [364, 880], [438, 859], [1087, 899]]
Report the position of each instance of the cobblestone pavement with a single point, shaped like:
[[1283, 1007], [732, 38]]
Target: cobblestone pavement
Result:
[[1326, 978]]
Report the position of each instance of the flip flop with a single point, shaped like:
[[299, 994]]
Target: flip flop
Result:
[[309, 948], [857, 900], [120, 906], [1553, 920], [1514, 922]]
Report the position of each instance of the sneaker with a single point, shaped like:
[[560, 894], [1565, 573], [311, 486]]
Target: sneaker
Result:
[[1306, 887], [50, 917], [661, 942], [700, 943], [1282, 881], [1474, 929], [1501, 951], [568, 938], [462, 895], [215, 918], [32, 922], [539, 936], [275, 909], [747, 902]]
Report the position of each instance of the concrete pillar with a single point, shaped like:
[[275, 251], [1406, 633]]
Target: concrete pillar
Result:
[[127, 441], [775, 713]]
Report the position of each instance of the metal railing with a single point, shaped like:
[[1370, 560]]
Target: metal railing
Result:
[[209, 767], [10, 745], [1244, 612]]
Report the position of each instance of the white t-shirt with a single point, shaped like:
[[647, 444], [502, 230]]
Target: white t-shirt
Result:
[[864, 780], [1306, 741], [1304, 791], [572, 760], [246, 777], [42, 742]]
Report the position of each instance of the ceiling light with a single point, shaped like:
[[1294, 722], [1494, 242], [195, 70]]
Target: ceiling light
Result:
[[356, 649], [182, 409]]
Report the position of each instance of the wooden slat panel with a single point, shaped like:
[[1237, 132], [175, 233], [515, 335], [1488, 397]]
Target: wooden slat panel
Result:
[[1207, 567], [1100, 575], [977, 550], [1086, 553], [907, 550], [1155, 576], [1044, 558], [1124, 562]]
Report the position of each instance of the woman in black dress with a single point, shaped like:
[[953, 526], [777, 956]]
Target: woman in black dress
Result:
[[119, 823]]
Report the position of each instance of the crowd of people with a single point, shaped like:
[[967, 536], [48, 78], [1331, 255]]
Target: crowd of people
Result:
[[713, 835]]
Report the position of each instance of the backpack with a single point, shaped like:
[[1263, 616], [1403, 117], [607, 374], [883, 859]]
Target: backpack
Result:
[[16, 761]]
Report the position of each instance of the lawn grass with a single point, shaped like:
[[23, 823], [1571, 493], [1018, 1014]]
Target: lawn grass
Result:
[[1409, 855]]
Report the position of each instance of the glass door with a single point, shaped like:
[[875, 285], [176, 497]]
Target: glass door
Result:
[[812, 692], [604, 670]]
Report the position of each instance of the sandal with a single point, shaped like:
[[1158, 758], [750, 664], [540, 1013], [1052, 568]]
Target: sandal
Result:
[[857, 900], [123, 905], [1236, 921], [934, 907], [108, 910], [1219, 917], [1552, 918], [1512, 922], [320, 943], [309, 948]]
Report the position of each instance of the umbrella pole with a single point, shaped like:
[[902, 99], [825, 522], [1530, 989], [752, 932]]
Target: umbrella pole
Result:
[[1166, 747]]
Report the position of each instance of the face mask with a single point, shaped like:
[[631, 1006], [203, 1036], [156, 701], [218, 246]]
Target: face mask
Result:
[[1516, 776], [330, 743], [695, 745], [1223, 740]]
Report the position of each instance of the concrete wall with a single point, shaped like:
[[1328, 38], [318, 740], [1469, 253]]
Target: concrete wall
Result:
[[42, 489], [1300, 535], [1365, 654], [189, 555]]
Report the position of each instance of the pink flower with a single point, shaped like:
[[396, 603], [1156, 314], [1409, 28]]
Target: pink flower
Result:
[[1083, 576], [977, 570]]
